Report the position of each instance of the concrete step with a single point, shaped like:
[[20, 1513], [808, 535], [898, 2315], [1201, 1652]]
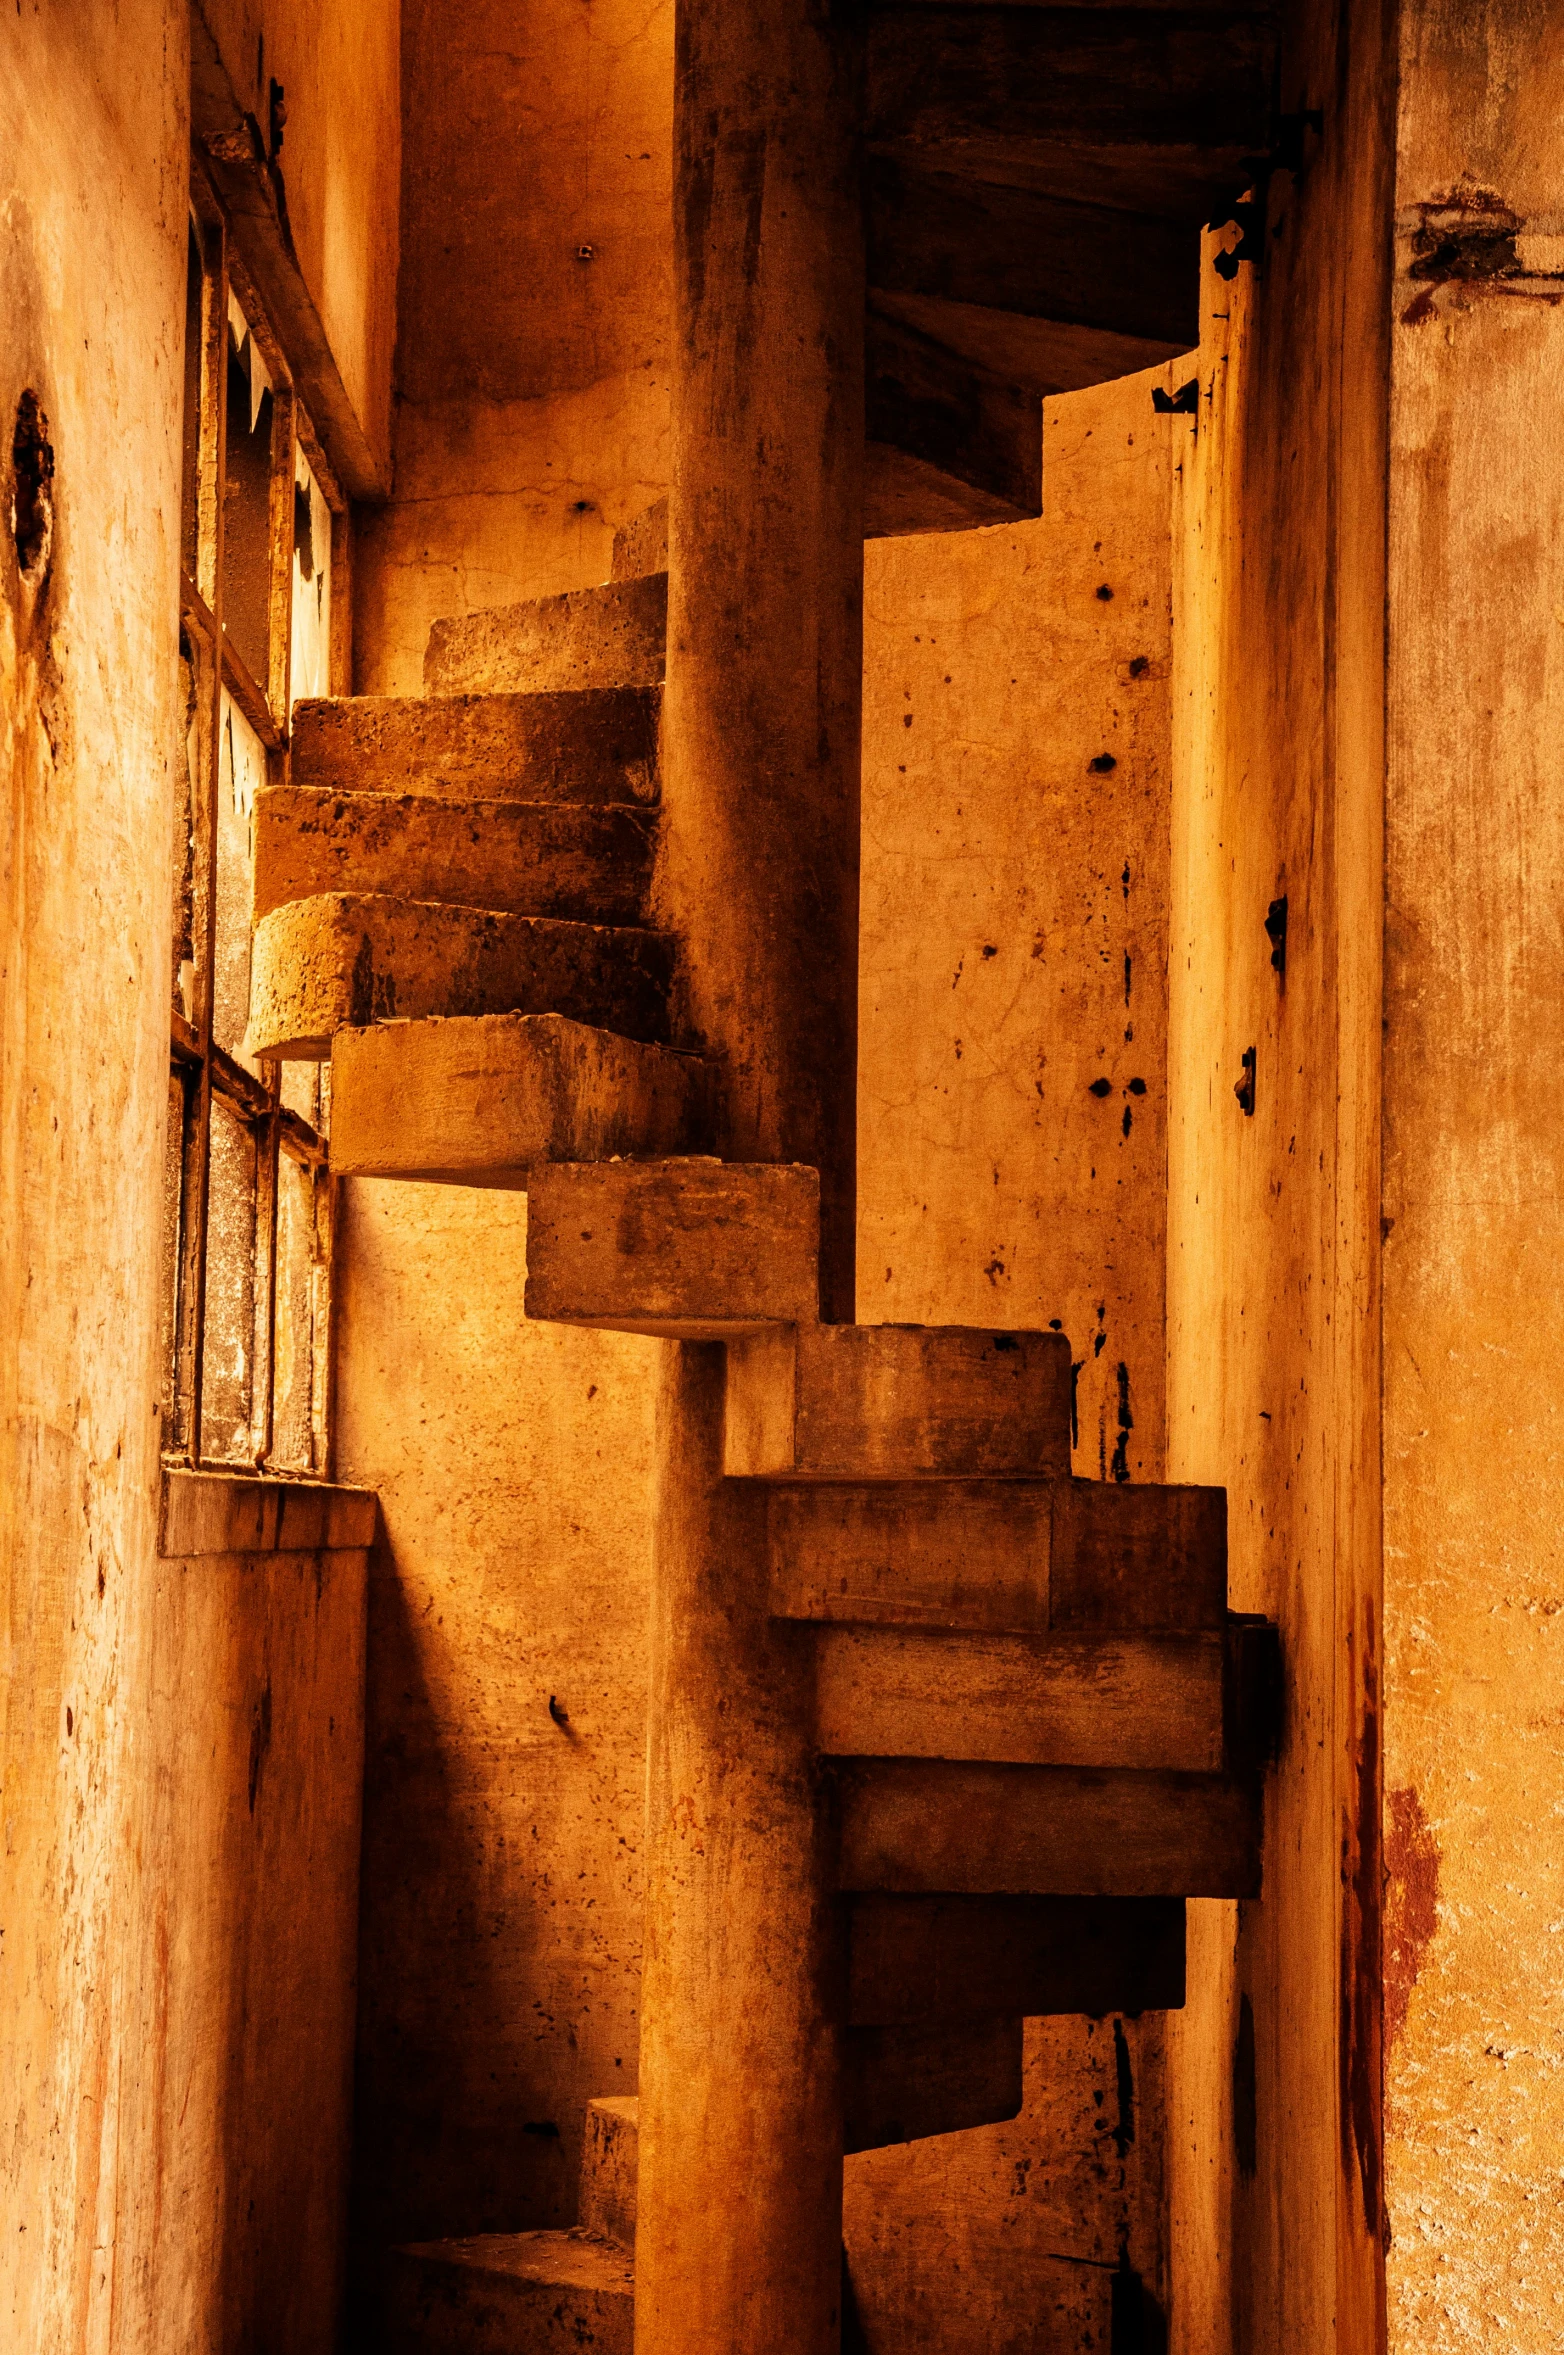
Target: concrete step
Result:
[[487, 1099], [997, 1557], [609, 2158], [342, 960], [511, 2293], [914, 1826], [1147, 1702], [611, 636], [641, 545], [928, 1960], [589, 864], [694, 1250], [897, 1402], [592, 744]]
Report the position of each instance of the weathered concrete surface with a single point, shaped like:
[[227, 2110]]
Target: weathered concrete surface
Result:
[[1014, 921], [510, 2294], [1472, 1213], [482, 1099], [1273, 1217], [577, 745], [532, 400], [588, 865], [92, 242], [613, 635], [1007, 2239], [253, 1776], [608, 2168], [336, 156], [322, 965], [501, 1918]]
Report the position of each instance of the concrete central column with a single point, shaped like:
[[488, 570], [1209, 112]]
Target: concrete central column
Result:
[[738, 2233]]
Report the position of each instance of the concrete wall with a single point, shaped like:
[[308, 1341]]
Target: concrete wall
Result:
[[92, 241], [532, 387], [251, 1773], [1474, 1134], [338, 166], [1273, 1218]]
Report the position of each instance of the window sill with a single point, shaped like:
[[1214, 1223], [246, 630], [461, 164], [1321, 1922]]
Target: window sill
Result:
[[238, 1513]]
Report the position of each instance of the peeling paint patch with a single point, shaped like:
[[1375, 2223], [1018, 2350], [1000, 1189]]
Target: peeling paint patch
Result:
[[1411, 1903]]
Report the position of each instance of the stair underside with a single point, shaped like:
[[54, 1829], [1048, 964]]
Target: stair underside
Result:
[[511, 2294]]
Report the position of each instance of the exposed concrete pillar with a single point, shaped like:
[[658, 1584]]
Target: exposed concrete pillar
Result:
[[759, 858], [739, 2221]]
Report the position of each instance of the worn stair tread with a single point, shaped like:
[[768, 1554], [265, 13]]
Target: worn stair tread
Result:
[[903, 494], [590, 864], [342, 960], [527, 2293], [610, 2159], [591, 744], [927, 1825], [641, 545], [692, 1249], [942, 79], [999, 1556], [485, 1099], [897, 1402], [612, 635], [1005, 249], [1076, 1701], [949, 1958]]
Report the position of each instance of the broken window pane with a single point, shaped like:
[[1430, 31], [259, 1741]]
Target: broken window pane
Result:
[[187, 775], [189, 502], [310, 668], [247, 586], [294, 1343], [228, 1364], [241, 773]]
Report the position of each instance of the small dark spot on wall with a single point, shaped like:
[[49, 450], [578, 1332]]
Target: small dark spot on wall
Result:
[[1140, 666], [1100, 1087], [303, 531], [70, 1723], [1121, 1451], [1137, 1087], [276, 116], [1246, 2131], [544, 2128], [1103, 765], [558, 1711], [1056, 1324], [32, 490], [1276, 933], [1124, 2132], [1244, 1090], [1106, 594], [1129, 1120], [1075, 1397], [260, 1739], [1411, 1903], [989, 950]]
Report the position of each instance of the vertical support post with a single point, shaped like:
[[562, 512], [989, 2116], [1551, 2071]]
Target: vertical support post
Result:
[[738, 2235]]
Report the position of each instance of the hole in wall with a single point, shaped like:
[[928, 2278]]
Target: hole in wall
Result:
[[32, 489]]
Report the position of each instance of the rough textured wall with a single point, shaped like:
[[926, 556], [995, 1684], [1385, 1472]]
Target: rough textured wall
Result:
[[253, 1768], [1014, 963], [1017, 733], [501, 1919], [532, 387], [92, 209], [1474, 1134], [337, 66], [1272, 1236]]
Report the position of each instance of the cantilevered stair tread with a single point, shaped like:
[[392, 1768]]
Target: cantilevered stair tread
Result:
[[1000, 1556], [591, 744], [488, 1099], [695, 1249], [341, 960], [609, 2168], [897, 1402], [523, 2293], [614, 635], [589, 864]]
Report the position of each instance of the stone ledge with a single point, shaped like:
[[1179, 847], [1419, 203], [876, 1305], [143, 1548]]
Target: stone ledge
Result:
[[237, 1513]]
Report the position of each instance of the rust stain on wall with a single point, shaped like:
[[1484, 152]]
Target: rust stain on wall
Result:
[[1362, 1948], [1411, 1903]]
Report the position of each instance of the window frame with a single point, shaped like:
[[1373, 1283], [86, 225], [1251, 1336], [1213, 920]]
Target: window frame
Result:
[[208, 1079]]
